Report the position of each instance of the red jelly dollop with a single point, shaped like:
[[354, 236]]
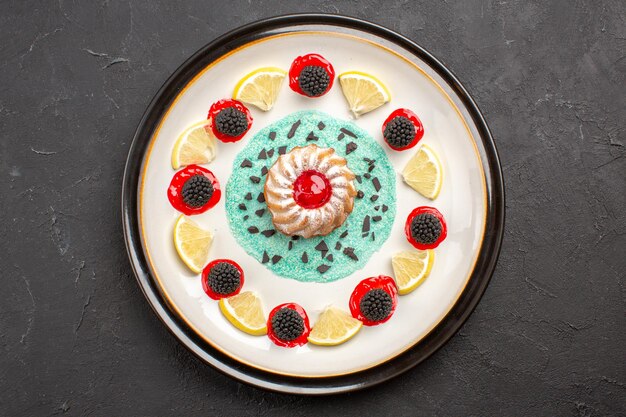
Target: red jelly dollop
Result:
[[298, 65], [174, 191], [311, 189], [205, 279], [419, 127], [224, 104], [382, 282], [300, 340], [416, 212]]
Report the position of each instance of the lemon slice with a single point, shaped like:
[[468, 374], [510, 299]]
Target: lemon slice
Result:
[[424, 173], [192, 243], [363, 92], [411, 268], [245, 312], [333, 327], [196, 145], [260, 87]]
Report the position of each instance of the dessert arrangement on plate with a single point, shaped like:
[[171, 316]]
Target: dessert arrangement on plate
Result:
[[310, 197]]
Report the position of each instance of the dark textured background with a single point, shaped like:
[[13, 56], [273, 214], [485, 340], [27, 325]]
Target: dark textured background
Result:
[[77, 336]]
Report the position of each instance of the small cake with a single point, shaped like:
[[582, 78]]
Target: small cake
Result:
[[309, 191]]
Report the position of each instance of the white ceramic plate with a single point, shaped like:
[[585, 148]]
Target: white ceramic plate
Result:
[[464, 201]]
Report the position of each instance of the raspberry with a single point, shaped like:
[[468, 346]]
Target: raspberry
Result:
[[231, 122], [287, 324], [425, 228], [224, 278], [313, 80], [399, 132], [197, 191], [376, 305]]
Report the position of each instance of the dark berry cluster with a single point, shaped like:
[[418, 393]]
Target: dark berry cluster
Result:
[[399, 132], [287, 324], [425, 228], [313, 80], [197, 191], [231, 122], [224, 278], [376, 305]]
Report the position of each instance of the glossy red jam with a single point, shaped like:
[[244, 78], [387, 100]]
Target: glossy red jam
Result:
[[382, 282], [419, 128], [224, 104], [311, 189], [422, 210], [302, 339], [174, 191], [205, 279], [298, 65]]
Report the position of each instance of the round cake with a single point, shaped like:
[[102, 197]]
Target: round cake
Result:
[[309, 191]]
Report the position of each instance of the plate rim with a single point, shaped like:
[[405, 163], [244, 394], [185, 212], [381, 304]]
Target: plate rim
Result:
[[443, 331]]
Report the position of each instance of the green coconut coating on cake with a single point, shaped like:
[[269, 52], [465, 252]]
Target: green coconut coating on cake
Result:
[[321, 258]]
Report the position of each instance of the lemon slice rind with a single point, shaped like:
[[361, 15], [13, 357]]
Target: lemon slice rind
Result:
[[411, 268], [192, 243], [334, 327], [363, 91], [253, 321], [196, 145], [424, 173], [260, 87]]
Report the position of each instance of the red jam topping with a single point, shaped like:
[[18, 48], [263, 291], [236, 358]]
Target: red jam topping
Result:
[[382, 282], [224, 281], [298, 65], [311, 189], [300, 340], [425, 210], [175, 195], [224, 104], [419, 128]]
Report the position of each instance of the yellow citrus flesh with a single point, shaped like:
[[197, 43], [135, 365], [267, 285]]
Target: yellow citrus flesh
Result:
[[424, 173], [411, 268], [260, 88], [363, 92], [196, 145], [334, 327], [245, 312], [192, 243]]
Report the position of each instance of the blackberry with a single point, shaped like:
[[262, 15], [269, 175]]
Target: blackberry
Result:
[[376, 305], [425, 228], [287, 324], [399, 132], [231, 122], [197, 191], [313, 80], [224, 278]]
